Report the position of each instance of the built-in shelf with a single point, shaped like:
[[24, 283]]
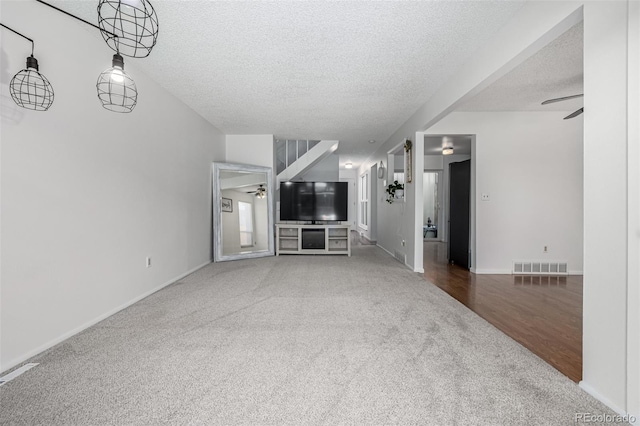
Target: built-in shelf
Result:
[[312, 239]]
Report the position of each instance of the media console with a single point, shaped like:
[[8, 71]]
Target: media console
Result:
[[312, 239]]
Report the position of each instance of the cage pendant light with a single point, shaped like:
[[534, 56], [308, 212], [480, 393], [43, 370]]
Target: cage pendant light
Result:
[[134, 24], [116, 90], [30, 89]]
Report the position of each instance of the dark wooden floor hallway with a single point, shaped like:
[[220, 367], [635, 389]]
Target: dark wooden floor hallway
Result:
[[542, 313]]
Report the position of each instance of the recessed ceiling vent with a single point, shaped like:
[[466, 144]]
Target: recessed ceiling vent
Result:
[[528, 267]]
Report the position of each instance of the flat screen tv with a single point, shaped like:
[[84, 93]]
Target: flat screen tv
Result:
[[313, 201]]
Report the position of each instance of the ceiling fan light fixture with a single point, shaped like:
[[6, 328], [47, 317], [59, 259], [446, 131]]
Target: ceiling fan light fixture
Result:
[[447, 150], [116, 90]]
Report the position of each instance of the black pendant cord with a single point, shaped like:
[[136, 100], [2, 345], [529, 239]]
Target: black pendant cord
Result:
[[78, 18], [21, 35]]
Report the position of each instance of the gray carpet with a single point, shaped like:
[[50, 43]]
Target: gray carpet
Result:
[[294, 340]]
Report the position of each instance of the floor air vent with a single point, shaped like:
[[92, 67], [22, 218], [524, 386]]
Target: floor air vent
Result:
[[400, 256], [540, 268]]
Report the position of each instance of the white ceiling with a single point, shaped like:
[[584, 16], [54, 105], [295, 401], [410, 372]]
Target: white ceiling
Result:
[[555, 71], [353, 71]]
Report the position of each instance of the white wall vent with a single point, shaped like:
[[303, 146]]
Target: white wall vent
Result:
[[535, 267], [400, 256]]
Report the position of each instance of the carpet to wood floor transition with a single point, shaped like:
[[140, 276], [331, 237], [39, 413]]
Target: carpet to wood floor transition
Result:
[[299, 340]]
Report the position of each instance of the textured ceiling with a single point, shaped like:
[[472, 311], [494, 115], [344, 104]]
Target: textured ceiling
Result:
[[555, 71], [351, 71]]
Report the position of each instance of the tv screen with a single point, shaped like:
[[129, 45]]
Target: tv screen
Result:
[[313, 201]]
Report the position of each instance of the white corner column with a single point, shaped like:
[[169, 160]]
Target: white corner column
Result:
[[418, 207], [633, 291], [605, 202]]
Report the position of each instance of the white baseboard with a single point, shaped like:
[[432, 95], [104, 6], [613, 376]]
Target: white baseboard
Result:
[[492, 271], [387, 251], [391, 254], [594, 393], [94, 321]]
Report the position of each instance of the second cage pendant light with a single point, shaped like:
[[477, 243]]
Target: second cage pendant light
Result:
[[116, 90]]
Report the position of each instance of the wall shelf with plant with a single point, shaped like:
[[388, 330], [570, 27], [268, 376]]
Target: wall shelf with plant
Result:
[[395, 191]]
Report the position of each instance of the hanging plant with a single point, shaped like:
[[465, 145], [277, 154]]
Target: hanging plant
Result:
[[394, 190]]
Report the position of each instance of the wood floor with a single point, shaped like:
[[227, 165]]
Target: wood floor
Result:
[[544, 314]]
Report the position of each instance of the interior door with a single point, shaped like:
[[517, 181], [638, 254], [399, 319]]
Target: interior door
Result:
[[459, 212]]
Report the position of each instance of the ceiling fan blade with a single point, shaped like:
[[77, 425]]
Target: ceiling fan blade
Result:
[[564, 98], [574, 114]]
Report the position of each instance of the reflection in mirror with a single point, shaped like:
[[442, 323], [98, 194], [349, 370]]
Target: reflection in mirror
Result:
[[243, 214]]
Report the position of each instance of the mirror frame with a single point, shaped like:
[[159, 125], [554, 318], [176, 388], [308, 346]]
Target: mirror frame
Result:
[[217, 211]]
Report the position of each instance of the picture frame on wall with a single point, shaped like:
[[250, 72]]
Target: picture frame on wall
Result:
[[227, 205]]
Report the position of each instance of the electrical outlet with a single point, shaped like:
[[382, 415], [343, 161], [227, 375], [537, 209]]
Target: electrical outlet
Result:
[[148, 262], [402, 243], [485, 197], [545, 250]]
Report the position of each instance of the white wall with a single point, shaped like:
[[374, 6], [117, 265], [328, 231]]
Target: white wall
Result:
[[633, 179], [255, 150], [609, 372], [433, 162], [605, 202], [396, 230], [326, 170], [530, 164], [349, 176], [87, 194], [532, 27]]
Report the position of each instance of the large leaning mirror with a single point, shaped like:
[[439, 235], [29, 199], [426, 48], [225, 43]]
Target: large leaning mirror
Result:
[[242, 212]]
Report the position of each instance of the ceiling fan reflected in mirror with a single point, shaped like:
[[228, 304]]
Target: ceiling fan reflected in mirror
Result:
[[566, 98], [260, 192]]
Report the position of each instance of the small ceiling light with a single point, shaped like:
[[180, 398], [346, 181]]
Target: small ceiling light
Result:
[[348, 165], [372, 141], [447, 146], [30, 89], [134, 24], [116, 90]]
